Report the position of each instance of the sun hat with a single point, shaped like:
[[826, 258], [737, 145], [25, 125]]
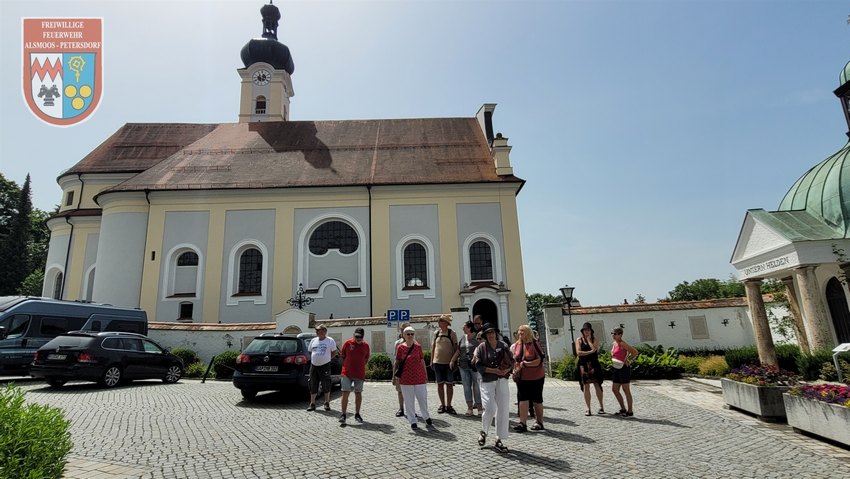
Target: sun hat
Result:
[[445, 318], [321, 326], [487, 328], [409, 329]]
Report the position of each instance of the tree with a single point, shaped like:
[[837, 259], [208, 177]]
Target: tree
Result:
[[640, 299], [534, 306], [714, 288], [13, 249]]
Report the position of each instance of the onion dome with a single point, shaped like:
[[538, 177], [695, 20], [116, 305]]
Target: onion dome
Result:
[[845, 75], [267, 49], [824, 191]]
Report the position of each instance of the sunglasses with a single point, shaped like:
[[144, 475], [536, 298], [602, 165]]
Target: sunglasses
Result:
[[408, 334]]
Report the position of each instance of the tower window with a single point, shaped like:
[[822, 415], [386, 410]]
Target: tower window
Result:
[[260, 109], [69, 198]]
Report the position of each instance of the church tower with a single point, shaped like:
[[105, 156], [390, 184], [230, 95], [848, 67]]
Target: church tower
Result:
[[267, 76]]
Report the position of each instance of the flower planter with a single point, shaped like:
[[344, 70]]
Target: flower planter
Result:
[[765, 402], [823, 419]]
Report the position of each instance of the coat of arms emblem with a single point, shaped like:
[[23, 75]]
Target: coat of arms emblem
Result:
[[63, 68]]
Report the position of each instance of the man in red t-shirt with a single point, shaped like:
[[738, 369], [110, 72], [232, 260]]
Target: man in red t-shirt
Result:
[[355, 354]]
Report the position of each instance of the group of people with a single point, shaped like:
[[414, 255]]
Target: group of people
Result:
[[486, 363]]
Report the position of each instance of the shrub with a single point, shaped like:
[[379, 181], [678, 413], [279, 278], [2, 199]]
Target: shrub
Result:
[[188, 356], [810, 365], [690, 364], [701, 352], [714, 366], [657, 366], [566, 369], [763, 376], [737, 357], [224, 364], [787, 355], [830, 393], [380, 366], [34, 438], [647, 350], [197, 370], [828, 372]]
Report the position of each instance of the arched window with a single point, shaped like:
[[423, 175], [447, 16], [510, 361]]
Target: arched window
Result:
[[481, 261], [334, 235], [415, 266], [57, 286], [189, 258], [250, 272], [260, 109]]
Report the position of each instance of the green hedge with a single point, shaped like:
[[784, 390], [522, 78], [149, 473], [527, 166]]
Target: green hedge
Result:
[[197, 370], [809, 365], [188, 356], [34, 438], [648, 365], [224, 364], [737, 357], [379, 367]]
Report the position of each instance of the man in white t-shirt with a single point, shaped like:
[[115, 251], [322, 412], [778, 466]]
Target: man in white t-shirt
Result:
[[322, 351]]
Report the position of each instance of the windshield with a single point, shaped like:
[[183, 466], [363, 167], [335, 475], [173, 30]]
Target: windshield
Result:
[[273, 345], [68, 342], [16, 324]]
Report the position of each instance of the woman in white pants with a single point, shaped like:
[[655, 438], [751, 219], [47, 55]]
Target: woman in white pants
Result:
[[413, 377], [494, 361]]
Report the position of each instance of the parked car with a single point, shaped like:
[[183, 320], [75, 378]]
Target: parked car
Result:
[[277, 362], [107, 358], [28, 323]]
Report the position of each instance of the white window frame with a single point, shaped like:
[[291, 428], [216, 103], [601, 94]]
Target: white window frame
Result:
[[431, 290], [495, 251], [233, 273], [304, 253], [170, 272]]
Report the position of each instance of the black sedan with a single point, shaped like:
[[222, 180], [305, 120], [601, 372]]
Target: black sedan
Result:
[[107, 358], [277, 362]]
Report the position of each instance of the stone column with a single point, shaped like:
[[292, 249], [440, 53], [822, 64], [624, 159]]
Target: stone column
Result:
[[761, 329], [796, 317], [814, 314]]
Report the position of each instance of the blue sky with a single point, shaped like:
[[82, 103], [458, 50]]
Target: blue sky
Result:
[[644, 129]]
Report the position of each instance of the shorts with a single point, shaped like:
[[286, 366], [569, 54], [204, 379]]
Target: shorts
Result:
[[320, 375], [349, 384], [443, 374], [530, 391], [622, 375]]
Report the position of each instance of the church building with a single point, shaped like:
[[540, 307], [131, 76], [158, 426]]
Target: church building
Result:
[[227, 223], [806, 244]]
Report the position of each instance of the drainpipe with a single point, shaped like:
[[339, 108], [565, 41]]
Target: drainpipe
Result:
[[369, 190], [145, 249], [67, 258], [82, 186]]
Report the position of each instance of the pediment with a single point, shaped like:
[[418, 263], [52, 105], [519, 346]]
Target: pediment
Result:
[[756, 238]]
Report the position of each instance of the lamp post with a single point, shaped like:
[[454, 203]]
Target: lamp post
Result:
[[567, 292]]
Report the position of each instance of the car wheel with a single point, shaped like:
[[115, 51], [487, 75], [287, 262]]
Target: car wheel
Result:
[[55, 383], [174, 373], [111, 377], [248, 395]]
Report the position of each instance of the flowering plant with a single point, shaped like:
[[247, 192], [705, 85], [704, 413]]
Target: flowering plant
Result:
[[763, 376], [830, 393]]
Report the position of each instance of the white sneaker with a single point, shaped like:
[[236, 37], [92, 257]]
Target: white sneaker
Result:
[[469, 412]]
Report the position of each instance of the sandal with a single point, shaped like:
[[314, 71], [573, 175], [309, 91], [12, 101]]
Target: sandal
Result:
[[441, 409], [537, 427], [622, 412], [600, 411], [521, 427], [451, 410], [482, 439], [500, 447], [588, 413]]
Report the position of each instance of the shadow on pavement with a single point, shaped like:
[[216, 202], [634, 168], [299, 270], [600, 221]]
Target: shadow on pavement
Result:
[[663, 422], [292, 400], [370, 426], [554, 465]]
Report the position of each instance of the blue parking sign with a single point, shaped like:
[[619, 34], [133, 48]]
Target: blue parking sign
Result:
[[392, 317], [404, 315]]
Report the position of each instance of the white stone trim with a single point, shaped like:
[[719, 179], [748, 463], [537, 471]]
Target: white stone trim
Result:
[[86, 291], [50, 274], [495, 250], [430, 292], [304, 253], [500, 299], [233, 273], [171, 271]]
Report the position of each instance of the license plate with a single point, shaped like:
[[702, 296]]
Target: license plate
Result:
[[56, 357], [266, 369]]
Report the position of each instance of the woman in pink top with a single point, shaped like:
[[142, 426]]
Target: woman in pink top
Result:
[[530, 373], [413, 377], [621, 355]]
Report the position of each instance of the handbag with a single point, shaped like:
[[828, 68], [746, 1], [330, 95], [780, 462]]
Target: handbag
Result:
[[517, 375], [399, 367], [617, 364]]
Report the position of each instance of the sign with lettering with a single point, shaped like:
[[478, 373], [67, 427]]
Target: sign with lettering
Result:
[[782, 262], [62, 68], [397, 316]]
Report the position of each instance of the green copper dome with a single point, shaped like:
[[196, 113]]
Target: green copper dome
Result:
[[824, 192], [845, 75]]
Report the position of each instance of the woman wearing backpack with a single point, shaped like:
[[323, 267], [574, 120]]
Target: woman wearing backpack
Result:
[[529, 374], [494, 362]]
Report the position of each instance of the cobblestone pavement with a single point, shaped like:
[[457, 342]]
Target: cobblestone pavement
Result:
[[186, 430]]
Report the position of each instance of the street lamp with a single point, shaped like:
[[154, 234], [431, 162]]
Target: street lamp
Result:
[[567, 292]]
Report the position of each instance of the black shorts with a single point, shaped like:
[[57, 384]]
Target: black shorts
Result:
[[530, 390], [320, 375], [622, 375]]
